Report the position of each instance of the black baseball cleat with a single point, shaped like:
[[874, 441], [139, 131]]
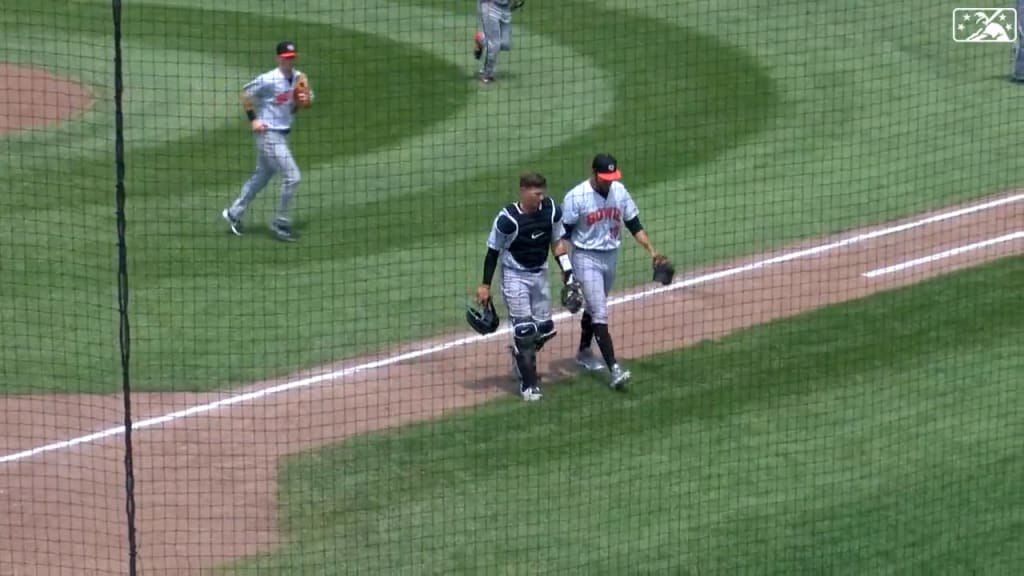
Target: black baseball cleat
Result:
[[283, 232], [486, 79], [478, 45]]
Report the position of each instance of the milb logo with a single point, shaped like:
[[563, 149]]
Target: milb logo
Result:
[[984, 25]]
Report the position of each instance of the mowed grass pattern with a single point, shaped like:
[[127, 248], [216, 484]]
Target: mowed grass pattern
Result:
[[736, 130], [813, 445]]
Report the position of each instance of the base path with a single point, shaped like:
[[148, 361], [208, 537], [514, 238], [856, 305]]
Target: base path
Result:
[[206, 463], [34, 98]]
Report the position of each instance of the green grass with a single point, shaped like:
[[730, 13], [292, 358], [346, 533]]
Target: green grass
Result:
[[878, 436], [737, 128]]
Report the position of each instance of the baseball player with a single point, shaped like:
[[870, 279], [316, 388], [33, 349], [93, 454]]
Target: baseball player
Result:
[[271, 101], [593, 215], [495, 34], [521, 235]]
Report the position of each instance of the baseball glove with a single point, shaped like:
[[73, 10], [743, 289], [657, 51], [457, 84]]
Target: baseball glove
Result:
[[663, 270], [517, 4], [302, 87], [572, 296]]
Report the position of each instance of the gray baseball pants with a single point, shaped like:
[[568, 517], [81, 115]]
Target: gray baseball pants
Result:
[[595, 271], [272, 156], [496, 24]]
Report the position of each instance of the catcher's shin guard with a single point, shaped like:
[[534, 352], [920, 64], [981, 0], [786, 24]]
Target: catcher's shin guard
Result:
[[524, 351], [546, 331]]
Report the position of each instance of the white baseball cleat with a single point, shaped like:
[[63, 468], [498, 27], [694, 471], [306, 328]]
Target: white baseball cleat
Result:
[[586, 359], [531, 394], [619, 377], [236, 226]]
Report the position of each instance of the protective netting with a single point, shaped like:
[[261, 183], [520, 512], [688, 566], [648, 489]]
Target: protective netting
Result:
[[242, 343]]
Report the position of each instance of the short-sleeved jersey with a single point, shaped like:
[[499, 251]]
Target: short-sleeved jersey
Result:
[[597, 221], [525, 239], [274, 98]]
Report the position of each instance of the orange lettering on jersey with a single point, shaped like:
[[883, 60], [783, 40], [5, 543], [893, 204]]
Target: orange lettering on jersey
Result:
[[602, 214]]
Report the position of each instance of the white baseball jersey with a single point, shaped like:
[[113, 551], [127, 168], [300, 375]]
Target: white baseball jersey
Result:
[[596, 221], [274, 98]]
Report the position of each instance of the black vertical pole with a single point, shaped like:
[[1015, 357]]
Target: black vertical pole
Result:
[[122, 291]]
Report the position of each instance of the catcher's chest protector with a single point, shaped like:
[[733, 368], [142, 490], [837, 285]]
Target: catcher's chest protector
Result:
[[533, 237]]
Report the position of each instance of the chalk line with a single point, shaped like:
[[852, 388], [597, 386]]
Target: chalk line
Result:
[[414, 354], [945, 254]]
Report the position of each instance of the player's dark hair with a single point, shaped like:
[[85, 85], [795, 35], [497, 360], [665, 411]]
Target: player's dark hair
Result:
[[533, 180]]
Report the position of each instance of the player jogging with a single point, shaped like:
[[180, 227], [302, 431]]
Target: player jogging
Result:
[[271, 102], [594, 212], [495, 34], [521, 235]]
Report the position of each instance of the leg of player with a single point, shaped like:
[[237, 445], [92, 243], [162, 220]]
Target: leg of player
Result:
[[619, 375], [290, 178], [596, 271], [515, 290], [587, 270], [258, 180], [540, 301], [491, 24], [505, 43], [584, 355]]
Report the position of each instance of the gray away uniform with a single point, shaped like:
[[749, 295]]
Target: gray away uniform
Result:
[[496, 24], [523, 242], [273, 96]]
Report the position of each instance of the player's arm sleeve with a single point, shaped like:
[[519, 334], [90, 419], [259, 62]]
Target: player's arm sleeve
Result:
[[490, 265], [557, 227], [630, 213], [503, 232], [634, 226], [570, 213], [250, 93], [570, 216], [629, 208]]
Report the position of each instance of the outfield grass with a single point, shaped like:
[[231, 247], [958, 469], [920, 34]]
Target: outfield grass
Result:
[[737, 126], [878, 436]]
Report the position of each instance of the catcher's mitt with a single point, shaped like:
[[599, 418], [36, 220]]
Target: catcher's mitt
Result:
[[517, 4], [572, 296], [302, 87], [663, 270]]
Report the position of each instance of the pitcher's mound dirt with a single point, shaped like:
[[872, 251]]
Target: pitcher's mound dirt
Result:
[[31, 98]]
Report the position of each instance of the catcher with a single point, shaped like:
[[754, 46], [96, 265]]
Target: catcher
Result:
[[495, 34], [521, 235], [271, 101]]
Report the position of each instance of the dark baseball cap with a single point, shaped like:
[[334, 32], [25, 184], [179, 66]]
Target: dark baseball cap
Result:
[[286, 49], [606, 167]]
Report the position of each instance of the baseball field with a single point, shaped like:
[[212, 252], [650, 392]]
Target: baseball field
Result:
[[831, 384]]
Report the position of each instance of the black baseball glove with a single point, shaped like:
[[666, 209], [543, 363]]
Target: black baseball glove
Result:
[[517, 4], [572, 296], [663, 270]]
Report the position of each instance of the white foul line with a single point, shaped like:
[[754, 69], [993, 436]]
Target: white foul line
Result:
[[345, 372], [947, 254]]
